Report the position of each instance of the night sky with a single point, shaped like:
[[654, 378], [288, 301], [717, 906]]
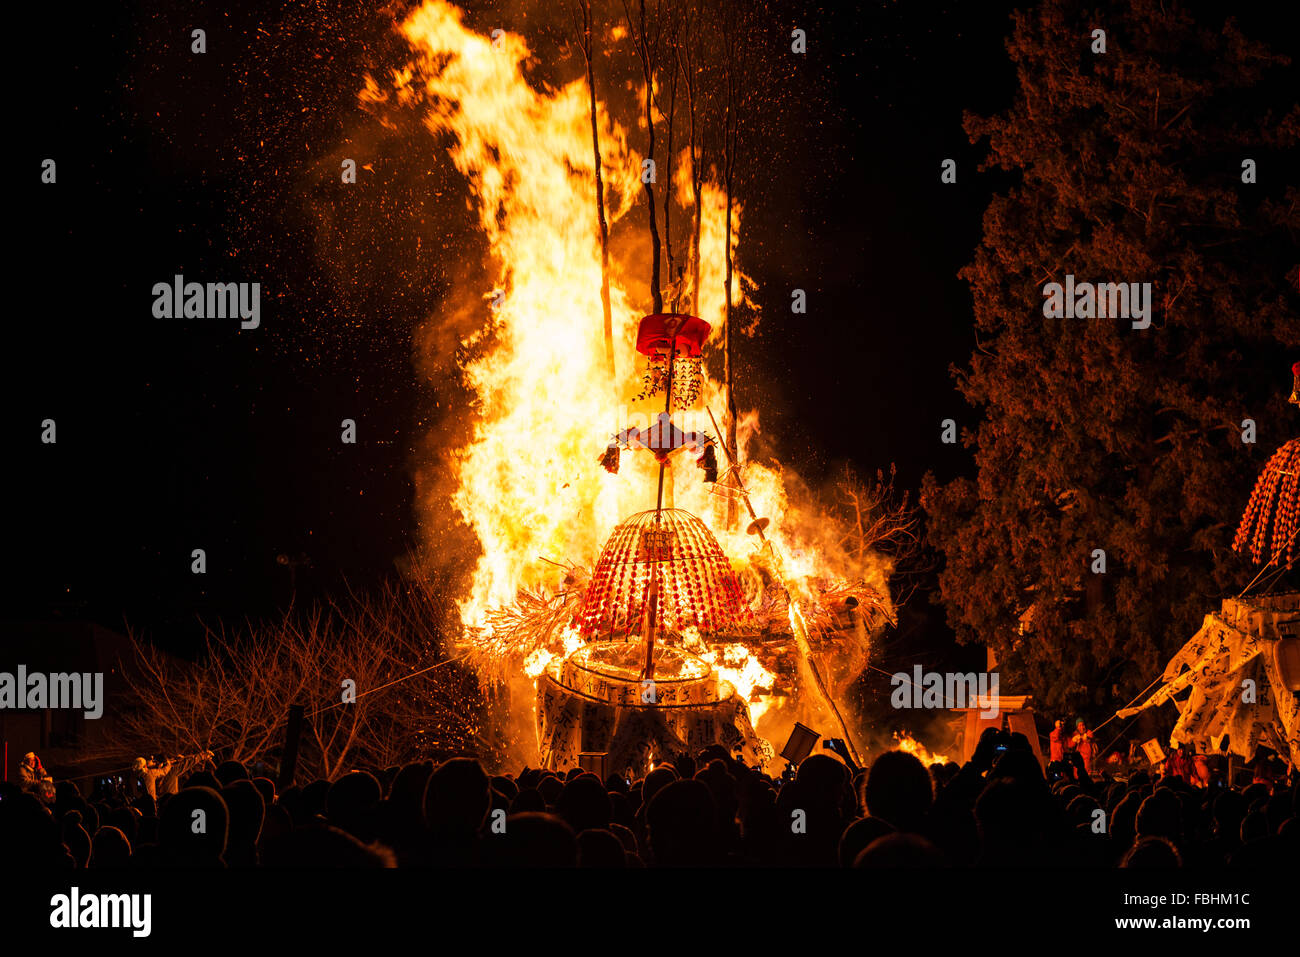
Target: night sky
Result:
[[179, 435]]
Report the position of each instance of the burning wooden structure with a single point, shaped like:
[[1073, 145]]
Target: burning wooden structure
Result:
[[670, 648], [1236, 683], [775, 629]]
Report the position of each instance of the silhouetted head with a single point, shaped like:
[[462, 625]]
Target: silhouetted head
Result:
[[193, 828], [1020, 764], [407, 793], [858, 835], [550, 787], [126, 820], [457, 800], [681, 825], [584, 803], [899, 790], [321, 847], [722, 786], [822, 776], [1160, 816], [1152, 852], [266, 788], [899, 851], [28, 832], [1015, 818], [350, 803], [528, 799], [1082, 809], [533, 839], [656, 781], [503, 785], [202, 779], [1254, 827], [598, 847], [110, 849]]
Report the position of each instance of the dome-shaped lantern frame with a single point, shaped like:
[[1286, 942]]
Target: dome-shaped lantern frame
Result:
[[670, 559]]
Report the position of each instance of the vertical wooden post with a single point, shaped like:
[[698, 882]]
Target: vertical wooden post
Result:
[[289, 760]]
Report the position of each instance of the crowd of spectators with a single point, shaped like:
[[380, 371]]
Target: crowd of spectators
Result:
[[708, 810]]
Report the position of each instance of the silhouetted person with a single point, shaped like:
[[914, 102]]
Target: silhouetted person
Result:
[[584, 803], [110, 849], [681, 826], [528, 799], [247, 811], [532, 839], [899, 851], [899, 790], [1152, 852], [858, 835], [456, 802], [321, 846], [597, 847], [75, 838], [28, 832], [1016, 823], [193, 829], [350, 804], [1160, 816]]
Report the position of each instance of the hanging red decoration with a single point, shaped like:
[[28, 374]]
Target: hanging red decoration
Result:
[[676, 340], [656, 334], [1272, 518], [676, 550], [1268, 527]]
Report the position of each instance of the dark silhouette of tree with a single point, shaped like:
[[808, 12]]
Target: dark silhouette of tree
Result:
[[408, 699], [1128, 167]]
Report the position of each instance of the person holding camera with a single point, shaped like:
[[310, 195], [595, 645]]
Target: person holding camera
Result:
[[148, 773]]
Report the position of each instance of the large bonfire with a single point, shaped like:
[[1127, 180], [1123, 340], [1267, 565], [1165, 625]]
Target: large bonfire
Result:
[[527, 480]]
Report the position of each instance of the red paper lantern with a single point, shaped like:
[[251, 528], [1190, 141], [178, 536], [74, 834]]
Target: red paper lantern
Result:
[[655, 334]]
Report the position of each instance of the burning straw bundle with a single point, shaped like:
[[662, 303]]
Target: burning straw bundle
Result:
[[533, 625]]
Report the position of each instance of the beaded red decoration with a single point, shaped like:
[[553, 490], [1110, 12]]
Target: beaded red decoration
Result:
[[696, 584], [1268, 527]]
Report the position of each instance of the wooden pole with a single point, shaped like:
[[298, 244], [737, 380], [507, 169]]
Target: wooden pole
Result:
[[652, 593], [600, 191], [798, 626], [292, 736]]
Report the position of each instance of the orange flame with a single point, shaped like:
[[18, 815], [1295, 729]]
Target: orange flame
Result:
[[910, 745], [526, 478]]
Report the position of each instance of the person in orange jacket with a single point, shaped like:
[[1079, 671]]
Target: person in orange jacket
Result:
[[1083, 743], [1058, 742]]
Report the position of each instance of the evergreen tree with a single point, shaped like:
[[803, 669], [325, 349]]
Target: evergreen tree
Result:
[[1127, 167]]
